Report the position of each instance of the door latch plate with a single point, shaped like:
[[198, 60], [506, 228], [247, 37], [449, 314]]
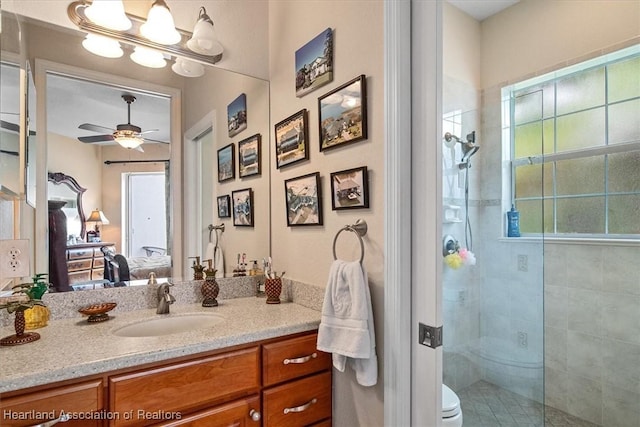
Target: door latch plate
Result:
[[430, 336]]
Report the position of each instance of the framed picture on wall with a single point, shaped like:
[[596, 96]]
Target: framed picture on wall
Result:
[[349, 189], [224, 203], [242, 207], [292, 138], [226, 163], [314, 63], [249, 163], [343, 114], [303, 200], [237, 115]]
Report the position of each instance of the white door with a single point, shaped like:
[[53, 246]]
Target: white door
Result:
[[146, 212]]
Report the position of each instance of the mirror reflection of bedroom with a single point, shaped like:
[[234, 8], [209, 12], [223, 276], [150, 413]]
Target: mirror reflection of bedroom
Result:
[[108, 202]]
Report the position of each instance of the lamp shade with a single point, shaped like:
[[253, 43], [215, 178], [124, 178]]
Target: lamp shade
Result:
[[160, 27], [102, 46], [109, 14], [204, 40], [187, 68], [97, 216], [148, 57]]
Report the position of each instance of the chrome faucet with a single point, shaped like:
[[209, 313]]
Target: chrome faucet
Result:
[[164, 298]]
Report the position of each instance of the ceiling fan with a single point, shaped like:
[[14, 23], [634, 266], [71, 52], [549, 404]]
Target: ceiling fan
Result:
[[127, 135]]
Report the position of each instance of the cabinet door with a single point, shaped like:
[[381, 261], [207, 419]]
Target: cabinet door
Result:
[[293, 358], [183, 386], [298, 403], [240, 413], [81, 401]]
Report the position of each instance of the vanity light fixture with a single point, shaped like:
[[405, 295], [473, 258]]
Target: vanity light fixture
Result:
[[102, 46], [159, 26], [189, 51]]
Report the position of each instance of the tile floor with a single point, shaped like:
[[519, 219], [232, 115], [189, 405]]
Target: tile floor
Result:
[[487, 405]]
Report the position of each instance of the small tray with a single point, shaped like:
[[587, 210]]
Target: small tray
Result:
[[98, 312]]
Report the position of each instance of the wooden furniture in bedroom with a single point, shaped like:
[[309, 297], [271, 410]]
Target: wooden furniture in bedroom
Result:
[[85, 261]]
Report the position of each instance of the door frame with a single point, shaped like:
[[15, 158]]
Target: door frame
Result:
[[413, 111]]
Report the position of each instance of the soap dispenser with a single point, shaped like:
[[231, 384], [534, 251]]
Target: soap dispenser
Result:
[[197, 268], [210, 287]]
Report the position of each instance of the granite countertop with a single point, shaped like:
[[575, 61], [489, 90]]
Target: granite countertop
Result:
[[72, 348]]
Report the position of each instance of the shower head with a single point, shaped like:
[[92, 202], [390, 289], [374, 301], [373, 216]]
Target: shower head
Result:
[[469, 147]]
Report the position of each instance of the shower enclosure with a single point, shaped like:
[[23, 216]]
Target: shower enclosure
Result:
[[541, 329]]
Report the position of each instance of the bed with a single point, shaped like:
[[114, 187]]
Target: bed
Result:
[[140, 267]]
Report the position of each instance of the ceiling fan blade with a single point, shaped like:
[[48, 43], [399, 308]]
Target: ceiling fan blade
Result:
[[9, 126], [155, 140], [10, 153], [139, 148], [95, 128], [97, 138], [149, 131]]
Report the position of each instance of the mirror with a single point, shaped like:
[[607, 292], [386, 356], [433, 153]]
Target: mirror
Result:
[[64, 188], [9, 122], [188, 100]]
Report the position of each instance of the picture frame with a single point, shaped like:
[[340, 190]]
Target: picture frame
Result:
[[237, 115], [343, 114], [226, 163], [292, 139], [350, 189], [224, 202], [249, 156], [242, 207], [303, 199], [314, 63]]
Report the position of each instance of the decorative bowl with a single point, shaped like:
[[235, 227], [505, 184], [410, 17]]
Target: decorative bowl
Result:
[[98, 312]]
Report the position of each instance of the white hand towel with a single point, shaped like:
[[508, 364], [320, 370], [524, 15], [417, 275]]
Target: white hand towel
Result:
[[346, 327], [208, 253], [218, 262]]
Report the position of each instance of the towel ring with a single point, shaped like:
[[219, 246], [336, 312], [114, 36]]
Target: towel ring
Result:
[[215, 227], [360, 229]]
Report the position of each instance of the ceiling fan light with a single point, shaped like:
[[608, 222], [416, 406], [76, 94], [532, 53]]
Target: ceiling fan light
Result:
[[102, 46], [148, 57], [204, 40], [160, 27], [108, 14], [129, 141], [187, 68]]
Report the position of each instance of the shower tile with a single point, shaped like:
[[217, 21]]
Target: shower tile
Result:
[[622, 270], [555, 348], [584, 355], [621, 317], [584, 398], [555, 388], [555, 306], [621, 365], [621, 407], [585, 269], [584, 311], [555, 265]]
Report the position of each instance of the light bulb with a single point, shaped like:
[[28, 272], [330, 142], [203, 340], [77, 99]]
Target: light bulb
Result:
[[108, 14], [102, 46], [148, 57]]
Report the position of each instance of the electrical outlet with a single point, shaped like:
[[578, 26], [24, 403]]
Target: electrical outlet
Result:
[[14, 258], [523, 263]]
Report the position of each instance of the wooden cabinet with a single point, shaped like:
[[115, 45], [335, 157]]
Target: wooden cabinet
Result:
[[280, 382], [85, 261], [80, 400]]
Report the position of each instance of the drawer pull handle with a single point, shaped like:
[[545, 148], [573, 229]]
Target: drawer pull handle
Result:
[[63, 418], [300, 408], [255, 415], [304, 359]]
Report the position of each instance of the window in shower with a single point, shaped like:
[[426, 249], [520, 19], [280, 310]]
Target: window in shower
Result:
[[574, 138]]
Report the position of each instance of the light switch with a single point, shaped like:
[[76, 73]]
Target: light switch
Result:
[[14, 258]]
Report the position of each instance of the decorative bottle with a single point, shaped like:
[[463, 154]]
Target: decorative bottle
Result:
[[210, 287]]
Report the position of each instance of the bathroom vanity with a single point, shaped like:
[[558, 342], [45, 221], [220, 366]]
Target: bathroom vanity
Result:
[[257, 366]]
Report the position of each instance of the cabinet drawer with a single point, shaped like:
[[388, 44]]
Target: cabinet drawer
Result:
[[78, 400], [184, 386], [237, 413], [98, 262], [298, 403], [293, 358], [82, 264], [79, 276], [80, 253], [97, 274]]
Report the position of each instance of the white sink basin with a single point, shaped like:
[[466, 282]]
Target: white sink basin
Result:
[[159, 326]]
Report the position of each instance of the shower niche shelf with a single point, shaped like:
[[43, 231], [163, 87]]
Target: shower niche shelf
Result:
[[451, 214]]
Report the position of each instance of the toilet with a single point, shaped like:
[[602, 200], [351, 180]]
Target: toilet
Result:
[[451, 411]]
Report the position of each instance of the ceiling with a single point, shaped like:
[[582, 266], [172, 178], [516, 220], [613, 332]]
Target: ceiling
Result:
[[102, 105]]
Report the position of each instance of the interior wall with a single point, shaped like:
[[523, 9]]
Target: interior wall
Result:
[[306, 252]]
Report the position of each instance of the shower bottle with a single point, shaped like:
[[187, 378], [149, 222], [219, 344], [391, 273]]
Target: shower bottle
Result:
[[513, 222]]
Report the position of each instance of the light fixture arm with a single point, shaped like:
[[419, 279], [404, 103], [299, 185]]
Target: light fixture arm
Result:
[[77, 16]]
